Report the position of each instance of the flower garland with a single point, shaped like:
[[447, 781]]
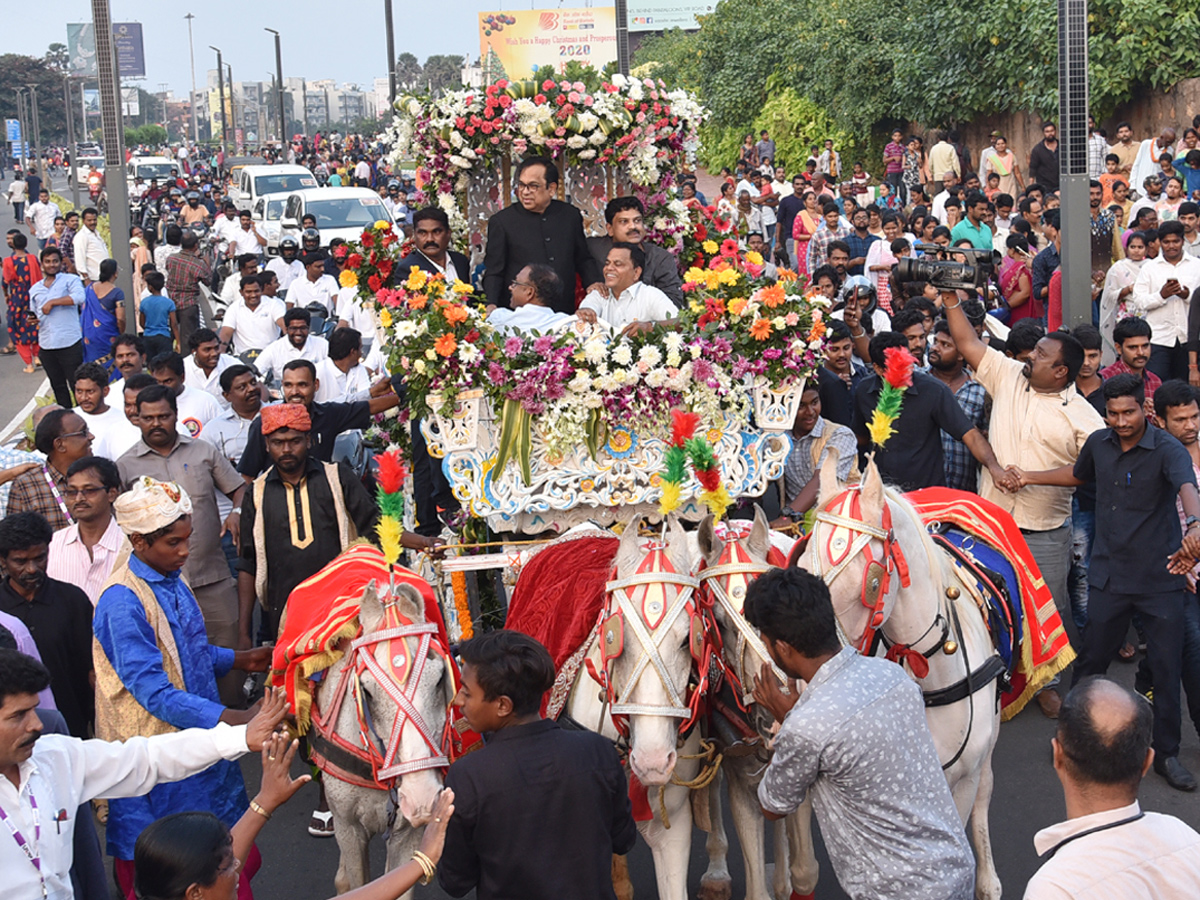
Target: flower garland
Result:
[[634, 124], [389, 495], [684, 445], [897, 376]]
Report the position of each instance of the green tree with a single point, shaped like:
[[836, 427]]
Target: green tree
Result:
[[57, 57], [408, 71], [18, 71], [442, 73]]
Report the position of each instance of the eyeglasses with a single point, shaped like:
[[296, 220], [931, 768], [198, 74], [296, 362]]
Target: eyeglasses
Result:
[[526, 186], [515, 283], [72, 493], [70, 434]]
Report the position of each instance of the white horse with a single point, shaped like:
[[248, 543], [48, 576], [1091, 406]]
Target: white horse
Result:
[[396, 672], [733, 559], [642, 655], [885, 574]]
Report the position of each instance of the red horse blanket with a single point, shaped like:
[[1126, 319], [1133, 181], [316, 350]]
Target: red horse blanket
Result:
[[1045, 651]]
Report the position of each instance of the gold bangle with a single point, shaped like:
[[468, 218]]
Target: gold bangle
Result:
[[428, 867], [258, 809]]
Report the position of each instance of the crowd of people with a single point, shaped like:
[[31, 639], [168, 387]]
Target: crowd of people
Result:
[[184, 482]]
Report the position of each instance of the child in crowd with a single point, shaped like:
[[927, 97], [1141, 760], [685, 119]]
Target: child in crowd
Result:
[[160, 325]]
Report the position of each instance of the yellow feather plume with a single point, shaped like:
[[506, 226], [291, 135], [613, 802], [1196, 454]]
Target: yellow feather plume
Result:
[[389, 530], [880, 428], [670, 498]]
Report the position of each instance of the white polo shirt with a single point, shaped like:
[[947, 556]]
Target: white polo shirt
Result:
[[211, 383], [196, 409], [1167, 315], [324, 291], [245, 241], [336, 386], [282, 352], [254, 329], [639, 302]]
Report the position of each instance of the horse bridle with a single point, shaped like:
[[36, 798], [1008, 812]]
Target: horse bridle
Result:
[[715, 582], [848, 537], [400, 680], [650, 625]]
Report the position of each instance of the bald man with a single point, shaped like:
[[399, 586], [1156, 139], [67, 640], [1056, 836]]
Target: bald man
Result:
[[1108, 847]]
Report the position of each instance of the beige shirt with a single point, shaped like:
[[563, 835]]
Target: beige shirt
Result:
[[1034, 431], [1154, 856]]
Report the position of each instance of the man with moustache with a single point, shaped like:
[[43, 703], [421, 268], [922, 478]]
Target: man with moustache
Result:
[[166, 455], [431, 249], [63, 437], [947, 366], [85, 553], [1132, 339], [625, 224]]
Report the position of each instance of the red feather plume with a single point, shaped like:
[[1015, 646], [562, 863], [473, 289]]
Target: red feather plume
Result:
[[710, 479], [683, 426], [391, 472], [899, 369]]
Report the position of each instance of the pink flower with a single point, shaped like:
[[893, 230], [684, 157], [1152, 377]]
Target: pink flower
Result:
[[495, 139], [548, 85], [573, 96], [792, 319], [588, 101], [579, 86], [502, 83]]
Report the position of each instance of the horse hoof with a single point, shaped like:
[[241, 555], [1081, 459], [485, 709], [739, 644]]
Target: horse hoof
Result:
[[719, 887]]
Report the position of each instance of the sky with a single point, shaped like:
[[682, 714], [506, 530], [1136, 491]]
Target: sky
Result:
[[345, 42]]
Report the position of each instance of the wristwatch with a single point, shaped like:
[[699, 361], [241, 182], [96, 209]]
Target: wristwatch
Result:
[[1190, 521]]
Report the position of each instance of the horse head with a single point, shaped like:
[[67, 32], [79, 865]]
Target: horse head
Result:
[[853, 548], [734, 554], [652, 631], [405, 685]]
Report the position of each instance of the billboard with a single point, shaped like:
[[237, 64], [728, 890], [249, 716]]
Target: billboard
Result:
[[127, 40], [513, 44], [130, 104], [657, 15]]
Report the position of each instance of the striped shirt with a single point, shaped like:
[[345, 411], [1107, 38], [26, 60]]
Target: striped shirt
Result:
[[70, 561]]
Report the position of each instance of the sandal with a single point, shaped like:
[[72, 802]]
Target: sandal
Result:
[[8, 351], [321, 824], [29, 370]]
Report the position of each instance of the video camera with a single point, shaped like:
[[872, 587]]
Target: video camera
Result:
[[947, 275]]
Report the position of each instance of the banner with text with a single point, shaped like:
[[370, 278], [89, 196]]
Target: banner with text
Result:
[[127, 40], [658, 15], [514, 44]]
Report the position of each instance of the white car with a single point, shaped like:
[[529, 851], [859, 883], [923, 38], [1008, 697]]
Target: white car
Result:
[[267, 212], [84, 165], [252, 182], [148, 167], [340, 212]]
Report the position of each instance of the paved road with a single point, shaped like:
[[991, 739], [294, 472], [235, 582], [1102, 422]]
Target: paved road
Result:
[[17, 388], [1027, 798]]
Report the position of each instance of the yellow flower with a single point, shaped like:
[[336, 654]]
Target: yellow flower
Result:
[[710, 246], [348, 278], [385, 318], [694, 275], [431, 354], [416, 279], [754, 258], [383, 225], [696, 306], [728, 276], [737, 306], [461, 287]]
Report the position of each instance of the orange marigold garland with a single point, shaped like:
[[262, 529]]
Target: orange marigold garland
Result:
[[458, 583]]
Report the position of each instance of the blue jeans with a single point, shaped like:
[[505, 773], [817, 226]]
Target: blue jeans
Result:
[[1083, 533], [231, 553]]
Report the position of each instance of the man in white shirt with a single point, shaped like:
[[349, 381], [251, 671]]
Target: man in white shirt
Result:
[[43, 775], [246, 267], [203, 366], [90, 383], [626, 305], [195, 408], [530, 312], [362, 172], [253, 322], [315, 286], [225, 226], [246, 238], [90, 249], [938, 209], [1161, 295], [124, 433], [40, 218], [829, 163], [228, 431], [286, 266], [296, 343], [341, 377], [1108, 848], [352, 314]]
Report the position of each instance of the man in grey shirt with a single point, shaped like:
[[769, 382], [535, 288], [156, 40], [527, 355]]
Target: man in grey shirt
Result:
[[857, 737], [625, 223]]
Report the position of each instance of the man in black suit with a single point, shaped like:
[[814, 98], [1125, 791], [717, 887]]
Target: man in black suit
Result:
[[538, 229], [432, 253], [431, 240]]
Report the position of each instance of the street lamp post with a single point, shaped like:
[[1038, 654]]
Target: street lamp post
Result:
[[192, 54], [279, 87], [73, 181], [24, 142], [391, 50], [233, 110], [221, 102], [35, 123]]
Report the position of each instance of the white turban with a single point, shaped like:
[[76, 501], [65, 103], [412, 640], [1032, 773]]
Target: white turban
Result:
[[150, 505]]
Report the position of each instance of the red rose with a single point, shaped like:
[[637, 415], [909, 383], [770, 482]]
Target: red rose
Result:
[[701, 233], [560, 99]]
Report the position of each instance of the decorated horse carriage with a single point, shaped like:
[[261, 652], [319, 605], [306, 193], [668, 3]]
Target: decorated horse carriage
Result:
[[587, 452]]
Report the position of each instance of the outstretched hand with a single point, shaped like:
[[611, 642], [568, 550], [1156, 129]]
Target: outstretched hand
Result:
[[270, 716], [768, 693], [434, 839], [278, 786]]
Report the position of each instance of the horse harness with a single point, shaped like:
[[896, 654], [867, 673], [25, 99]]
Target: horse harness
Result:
[[374, 762], [642, 602], [850, 536]]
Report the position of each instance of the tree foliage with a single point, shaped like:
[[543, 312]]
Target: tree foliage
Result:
[[408, 71], [872, 63], [150, 135], [442, 73], [17, 71]]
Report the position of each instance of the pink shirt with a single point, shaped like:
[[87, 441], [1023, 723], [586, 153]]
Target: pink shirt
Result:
[[70, 561], [26, 645]]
